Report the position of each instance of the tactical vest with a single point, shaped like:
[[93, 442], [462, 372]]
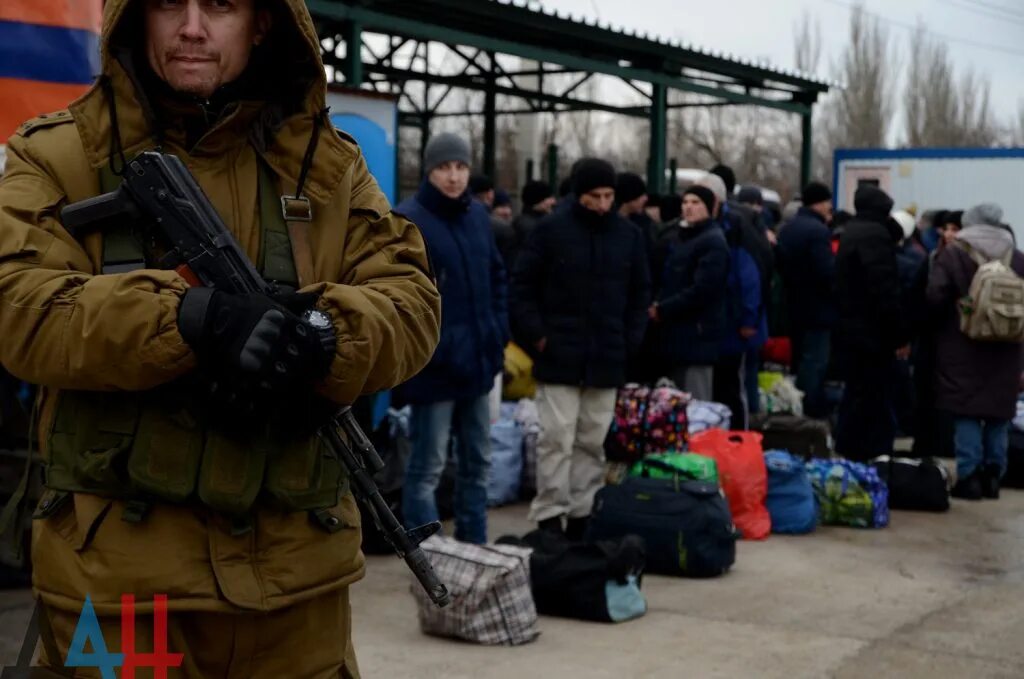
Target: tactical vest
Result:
[[151, 447]]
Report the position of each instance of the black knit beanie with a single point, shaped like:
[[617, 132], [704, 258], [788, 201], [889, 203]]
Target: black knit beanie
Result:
[[592, 173], [815, 193], [629, 187], [706, 195], [535, 192]]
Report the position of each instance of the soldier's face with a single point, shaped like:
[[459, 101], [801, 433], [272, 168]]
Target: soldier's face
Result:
[[196, 46]]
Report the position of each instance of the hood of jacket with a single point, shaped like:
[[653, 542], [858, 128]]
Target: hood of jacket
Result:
[[991, 241], [278, 104], [872, 203]]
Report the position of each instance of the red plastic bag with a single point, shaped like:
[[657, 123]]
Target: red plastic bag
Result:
[[778, 350], [743, 475]]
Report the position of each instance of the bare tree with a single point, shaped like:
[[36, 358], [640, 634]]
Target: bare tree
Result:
[[868, 67], [941, 110]]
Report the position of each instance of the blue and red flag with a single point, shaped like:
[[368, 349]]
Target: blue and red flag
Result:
[[49, 55]]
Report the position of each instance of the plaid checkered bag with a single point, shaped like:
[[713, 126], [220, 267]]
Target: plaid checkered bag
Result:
[[492, 603]]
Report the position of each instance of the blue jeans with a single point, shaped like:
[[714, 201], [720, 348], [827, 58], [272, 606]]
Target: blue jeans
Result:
[[432, 426], [811, 353], [980, 443]]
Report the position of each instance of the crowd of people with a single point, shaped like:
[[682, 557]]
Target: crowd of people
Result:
[[606, 284]]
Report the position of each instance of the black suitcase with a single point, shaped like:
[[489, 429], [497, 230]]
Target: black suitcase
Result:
[[686, 525], [1015, 460], [801, 436], [915, 484]]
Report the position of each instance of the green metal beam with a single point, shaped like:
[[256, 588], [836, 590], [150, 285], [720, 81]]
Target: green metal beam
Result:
[[806, 150], [353, 65], [397, 25], [478, 83], [659, 132], [490, 123]]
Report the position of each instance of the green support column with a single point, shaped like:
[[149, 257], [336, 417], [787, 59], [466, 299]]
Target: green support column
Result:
[[553, 167], [673, 185], [529, 171], [490, 133], [353, 66], [659, 131], [806, 150], [424, 138]]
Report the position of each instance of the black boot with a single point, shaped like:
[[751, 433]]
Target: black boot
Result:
[[968, 488], [576, 529], [553, 525], [990, 479]]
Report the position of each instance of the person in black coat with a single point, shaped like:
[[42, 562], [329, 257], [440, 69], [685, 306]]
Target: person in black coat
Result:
[[807, 267], [581, 292], [871, 329], [690, 306]]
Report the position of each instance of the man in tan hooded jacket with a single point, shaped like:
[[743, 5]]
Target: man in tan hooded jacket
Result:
[[236, 89]]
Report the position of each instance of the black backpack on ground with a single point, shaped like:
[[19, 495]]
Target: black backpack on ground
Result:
[[915, 484], [801, 436], [686, 524], [585, 581]]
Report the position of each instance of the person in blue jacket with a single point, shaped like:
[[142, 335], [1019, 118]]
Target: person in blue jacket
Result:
[[745, 321], [692, 266], [450, 396]]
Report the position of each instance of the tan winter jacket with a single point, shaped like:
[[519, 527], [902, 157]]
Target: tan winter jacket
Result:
[[66, 327]]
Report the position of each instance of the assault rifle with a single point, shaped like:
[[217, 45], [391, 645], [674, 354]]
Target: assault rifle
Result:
[[158, 190]]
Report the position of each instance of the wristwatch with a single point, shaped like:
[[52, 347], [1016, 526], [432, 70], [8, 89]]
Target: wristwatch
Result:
[[317, 320], [324, 328]]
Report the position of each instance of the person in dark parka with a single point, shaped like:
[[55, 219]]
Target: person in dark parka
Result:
[[450, 395], [581, 291], [977, 382], [870, 329], [690, 307], [807, 266]]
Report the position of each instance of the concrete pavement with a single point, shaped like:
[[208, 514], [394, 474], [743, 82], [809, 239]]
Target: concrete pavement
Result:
[[932, 596]]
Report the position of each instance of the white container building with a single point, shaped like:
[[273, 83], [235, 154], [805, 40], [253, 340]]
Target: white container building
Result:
[[936, 178]]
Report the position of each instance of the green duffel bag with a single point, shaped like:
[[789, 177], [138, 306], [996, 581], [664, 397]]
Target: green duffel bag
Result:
[[681, 466]]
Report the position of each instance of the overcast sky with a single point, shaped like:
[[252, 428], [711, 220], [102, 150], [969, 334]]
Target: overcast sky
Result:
[[764, 29]]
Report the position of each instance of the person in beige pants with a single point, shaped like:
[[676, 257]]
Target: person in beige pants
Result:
[[580, 293]]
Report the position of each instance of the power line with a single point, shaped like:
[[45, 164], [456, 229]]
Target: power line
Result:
[[911, 28], [1017, 19], [992, 7]]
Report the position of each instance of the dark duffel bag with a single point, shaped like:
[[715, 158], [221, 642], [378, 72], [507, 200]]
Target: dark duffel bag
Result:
[[598, 581], [915, 484], [1015, 460], [686, 524], [801, 436]]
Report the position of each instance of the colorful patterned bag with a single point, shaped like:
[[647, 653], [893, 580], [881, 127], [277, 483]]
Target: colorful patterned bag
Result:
[[647, 421], [849, 493]]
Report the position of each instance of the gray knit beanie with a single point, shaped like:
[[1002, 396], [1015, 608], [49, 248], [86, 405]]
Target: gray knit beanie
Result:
[[987, 213], [444, 148]]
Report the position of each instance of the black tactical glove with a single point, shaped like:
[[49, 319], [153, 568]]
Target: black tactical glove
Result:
[[255, 338]]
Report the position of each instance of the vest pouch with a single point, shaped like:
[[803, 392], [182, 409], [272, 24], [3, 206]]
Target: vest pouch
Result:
[[168, 448], [303, 475], [90, 440], [231, 473]]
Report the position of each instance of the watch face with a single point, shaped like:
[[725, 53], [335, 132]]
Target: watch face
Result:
[[318, 320]]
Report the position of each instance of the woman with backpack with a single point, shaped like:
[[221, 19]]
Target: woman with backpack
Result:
[[979, 362]]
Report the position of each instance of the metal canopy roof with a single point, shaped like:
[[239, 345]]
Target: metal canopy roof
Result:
[[478, 31]]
